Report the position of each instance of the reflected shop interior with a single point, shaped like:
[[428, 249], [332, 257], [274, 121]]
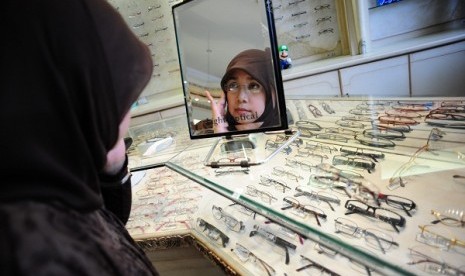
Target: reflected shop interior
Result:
[[298, 137]]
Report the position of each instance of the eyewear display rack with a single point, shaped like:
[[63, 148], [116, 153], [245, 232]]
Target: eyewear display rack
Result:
[[371, 186]]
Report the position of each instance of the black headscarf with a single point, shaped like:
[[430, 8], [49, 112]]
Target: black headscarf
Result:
[[71, 71], [259, 65]]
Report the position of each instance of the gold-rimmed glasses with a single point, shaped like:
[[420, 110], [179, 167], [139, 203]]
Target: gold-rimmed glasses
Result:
[[431, 238], [451, 217]]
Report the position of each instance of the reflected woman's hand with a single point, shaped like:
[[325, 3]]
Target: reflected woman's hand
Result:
[[218, 112]]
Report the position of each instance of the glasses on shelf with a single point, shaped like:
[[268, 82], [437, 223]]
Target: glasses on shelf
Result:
[[315, 268], [380, 125], [273, 238], [349, 124], [445, 116], [356, 118], [341, 131], [271, 145], [364, 112], [431, 238], [375, 155], [212, 232], [306, 152], [374, 238], [327, 108], [320, 147], [294, 163], [373, 141], [232, 223], [319, 197], [314, 110], [451, 217], [303, 124], [264, 196], [432, 265], [244, 210], [334, 183], [350, 176], [354, 161], [396, 120], [402, 113], [246, 255], [268, 181], [389, 134], [231, 171], [280, 171], [304, 210], [332, 137], [385, 215]]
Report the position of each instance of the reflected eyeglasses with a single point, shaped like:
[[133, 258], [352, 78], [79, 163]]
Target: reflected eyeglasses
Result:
[[252, 87]]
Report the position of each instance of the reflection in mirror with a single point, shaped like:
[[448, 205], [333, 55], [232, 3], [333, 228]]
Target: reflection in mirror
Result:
[[229, 66]]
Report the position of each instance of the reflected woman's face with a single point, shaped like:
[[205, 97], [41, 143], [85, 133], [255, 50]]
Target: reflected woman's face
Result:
[[246, 97]]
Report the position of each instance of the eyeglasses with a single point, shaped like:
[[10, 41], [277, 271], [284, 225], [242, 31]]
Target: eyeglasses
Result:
[[232, 223], [303, 210], [350, 124], [314, 110], [375, 155], [265, 196], [332, 137], [355, 118], [450, 217], [390, 134], [374, 238], [341, 131], [306, 152], [318, 196], [231, 171], [252, 87], [374, 141], [445, 116], [267, 181], [431, 265], [403, 113], [394, 201], [327, 108], [271, 237], [308, 125], [349, 175], [320, 147], [364, 112], [212, 232], [333, 182], [294, 163], [385, 215], [396, 120], [354, 161], [281, 171], [244, 210], [316, 267], [270, 144], [245, 255], [428, 237]]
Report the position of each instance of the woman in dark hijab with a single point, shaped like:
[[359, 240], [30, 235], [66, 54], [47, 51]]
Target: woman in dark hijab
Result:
[[250, 93], [71, 71]]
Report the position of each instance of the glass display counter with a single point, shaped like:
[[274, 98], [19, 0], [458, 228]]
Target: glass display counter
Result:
[[371, 186]]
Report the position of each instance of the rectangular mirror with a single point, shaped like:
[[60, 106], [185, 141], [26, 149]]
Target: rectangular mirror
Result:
[[229, 67]]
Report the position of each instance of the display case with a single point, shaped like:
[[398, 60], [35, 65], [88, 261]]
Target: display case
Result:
[[371, 186]]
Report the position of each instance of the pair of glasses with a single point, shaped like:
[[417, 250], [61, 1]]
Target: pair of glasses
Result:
[[403, 113], [385, 215], [390, 134], [432, 265], [212, 232], [380, 125], [320, 147], [451, 217], [364, 112], [327, 108], [308, 125], [335, 183], [332, 137], [431, 238], [246, 255], [354, 161], [232, 223], [319, 197], [231, 171], [396, 120], [270, 144], [294, 163], [273, 238], [445, 116], [280, 171], [244, 210], [315, 268], [356, 118], [268, 181], [314, 110], [306, 152], [374, 141], [375, 155], [265, 196], [374, 238], [252, 87], [303, 210], [349, 124]]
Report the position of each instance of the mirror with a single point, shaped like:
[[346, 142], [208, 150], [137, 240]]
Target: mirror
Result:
[[229, 67]]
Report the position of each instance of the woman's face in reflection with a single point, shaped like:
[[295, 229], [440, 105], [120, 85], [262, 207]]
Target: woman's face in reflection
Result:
[[246, 97]]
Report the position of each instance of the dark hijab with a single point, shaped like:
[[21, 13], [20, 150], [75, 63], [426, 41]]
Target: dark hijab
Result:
[[258, 64], [70, 72]]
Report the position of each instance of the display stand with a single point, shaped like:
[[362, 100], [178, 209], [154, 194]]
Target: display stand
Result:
[[247, 150]]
